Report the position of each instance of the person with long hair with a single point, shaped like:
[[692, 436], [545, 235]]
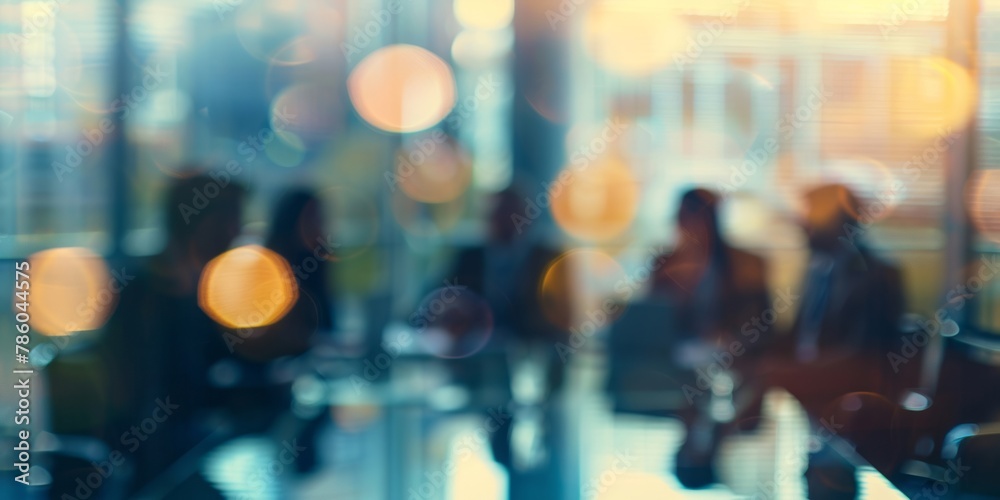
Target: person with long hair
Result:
[[714, 289], [298, 234]]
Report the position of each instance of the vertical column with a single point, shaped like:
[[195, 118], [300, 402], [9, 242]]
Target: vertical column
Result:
[[962, 48], [542, 35], [120, 156]]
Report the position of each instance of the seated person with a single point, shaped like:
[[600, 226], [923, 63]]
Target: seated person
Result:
[[715, 290], [848, 321], [506, 274], [849, 311], [159, 345]]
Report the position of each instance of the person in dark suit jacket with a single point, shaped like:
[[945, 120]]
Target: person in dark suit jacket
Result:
[[834, 362], [159, 346], [715, 290], [851, 303]]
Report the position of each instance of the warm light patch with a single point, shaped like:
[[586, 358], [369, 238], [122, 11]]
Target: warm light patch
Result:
[[402, 88], [71, 291], [634, 486], [633, 37], [597, 202], [247, 287], [576, 286], [931, 97], [484, 14], [433, 171], [877, 11], [983, 195]]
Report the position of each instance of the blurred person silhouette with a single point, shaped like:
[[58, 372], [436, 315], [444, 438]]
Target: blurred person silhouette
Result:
[[714, 289], [298, 234], [159, 346], [520, 360], [506, 272], [847, 322], [852, 300]]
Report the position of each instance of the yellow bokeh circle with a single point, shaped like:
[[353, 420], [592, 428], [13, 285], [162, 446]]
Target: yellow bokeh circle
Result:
[[247, 287], [402, 88], [71, 290], [634, 37], [596, 203]]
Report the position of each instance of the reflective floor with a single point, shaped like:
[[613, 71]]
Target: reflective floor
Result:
[[613, 456]]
